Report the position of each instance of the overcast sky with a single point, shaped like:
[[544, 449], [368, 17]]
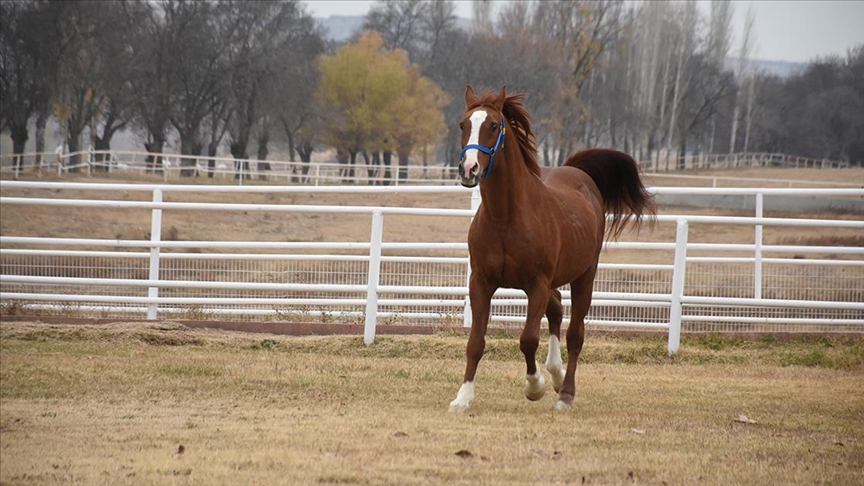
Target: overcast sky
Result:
[[786, 30]]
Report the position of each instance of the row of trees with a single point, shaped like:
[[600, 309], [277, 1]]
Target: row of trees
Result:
[[645, 78], [194, 70], [652, 78]]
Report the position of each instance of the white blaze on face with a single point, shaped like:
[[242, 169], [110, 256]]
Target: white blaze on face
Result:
[[477, 118]]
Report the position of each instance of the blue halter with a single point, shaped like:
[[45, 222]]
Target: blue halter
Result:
[[490, 152]]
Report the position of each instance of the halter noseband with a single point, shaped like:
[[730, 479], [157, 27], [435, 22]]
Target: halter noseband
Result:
[[490, 152]]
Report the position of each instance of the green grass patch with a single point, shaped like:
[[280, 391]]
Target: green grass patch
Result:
[[191, 371]]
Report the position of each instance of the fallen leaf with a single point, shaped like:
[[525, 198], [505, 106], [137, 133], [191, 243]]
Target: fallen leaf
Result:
[[465, 454], [400, 434], [744, 420], [638, 431], [837, 442], [181, 449]]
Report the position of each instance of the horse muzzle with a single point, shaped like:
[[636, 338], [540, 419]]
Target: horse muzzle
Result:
[[472, 177]]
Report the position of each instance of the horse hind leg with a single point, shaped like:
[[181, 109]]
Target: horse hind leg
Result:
[[555, 314], [535, 382], [580, 291]]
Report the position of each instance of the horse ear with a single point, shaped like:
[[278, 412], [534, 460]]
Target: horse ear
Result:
[[502, 96], [469, 95]]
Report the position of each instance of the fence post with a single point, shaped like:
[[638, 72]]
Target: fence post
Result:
[[757, 265], [467, 316], [677, 286], [374, 276], [155, 240]]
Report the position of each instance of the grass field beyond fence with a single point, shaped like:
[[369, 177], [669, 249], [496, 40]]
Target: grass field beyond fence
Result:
[[164, 404]]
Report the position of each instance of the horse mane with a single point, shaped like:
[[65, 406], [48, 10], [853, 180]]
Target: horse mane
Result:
[[520, 124]]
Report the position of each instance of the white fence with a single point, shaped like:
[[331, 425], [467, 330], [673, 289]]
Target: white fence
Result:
[[230, 170], [694, 286]]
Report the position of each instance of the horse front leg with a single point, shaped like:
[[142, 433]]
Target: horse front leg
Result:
[[580, 292], [481, 297], [538, 300], [555, 314]]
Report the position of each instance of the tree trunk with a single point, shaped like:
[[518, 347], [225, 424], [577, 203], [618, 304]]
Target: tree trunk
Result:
[[291, 148], [188, 144], [370, 170], [403, 153], [41, 121], [263, 140], [241, 162], [304, 150], [19, 142], [352, 161], [212, 150], [103, 144], [376, 161], [388, 159], [735, 114], [154, 162], [74, 142]]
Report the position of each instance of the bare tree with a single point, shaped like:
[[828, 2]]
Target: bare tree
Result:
[[686, 48], [719, 36], [264, 30], [88, 31], [198, 64], [118, 108], [22, 86], [743, 74], [293, 92], [400, 23]]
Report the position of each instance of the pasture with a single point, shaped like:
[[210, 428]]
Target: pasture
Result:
[[159, 403]]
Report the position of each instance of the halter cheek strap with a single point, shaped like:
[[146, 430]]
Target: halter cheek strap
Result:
[[490, 152]]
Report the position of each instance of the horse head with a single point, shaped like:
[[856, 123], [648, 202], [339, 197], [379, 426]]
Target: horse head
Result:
[[483, 129]]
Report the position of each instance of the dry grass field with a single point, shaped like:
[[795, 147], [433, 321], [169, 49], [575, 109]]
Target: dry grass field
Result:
[[164, 404]]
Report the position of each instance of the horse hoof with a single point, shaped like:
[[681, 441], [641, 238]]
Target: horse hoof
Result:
[[535, 386], [458, 408], [564, 407], [534, 396]]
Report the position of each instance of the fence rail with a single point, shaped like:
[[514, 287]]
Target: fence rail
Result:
[[699, 287], [173, 166]]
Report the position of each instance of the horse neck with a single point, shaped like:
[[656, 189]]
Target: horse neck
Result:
[[509, 186]]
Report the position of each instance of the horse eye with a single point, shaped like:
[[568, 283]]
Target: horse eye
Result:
[[494, 126], [462, 126]]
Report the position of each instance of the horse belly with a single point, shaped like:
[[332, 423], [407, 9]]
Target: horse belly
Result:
[[578, 253]]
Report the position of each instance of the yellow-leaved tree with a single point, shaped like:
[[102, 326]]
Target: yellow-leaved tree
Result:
[[375, 100]]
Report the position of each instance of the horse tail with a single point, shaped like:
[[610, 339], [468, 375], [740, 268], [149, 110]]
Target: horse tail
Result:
[[617, 176]]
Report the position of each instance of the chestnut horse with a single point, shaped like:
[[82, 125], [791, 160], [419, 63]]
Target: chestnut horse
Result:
[[536, 230]]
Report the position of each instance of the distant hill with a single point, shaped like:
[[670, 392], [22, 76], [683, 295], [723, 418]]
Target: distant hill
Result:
[[781, 69]]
